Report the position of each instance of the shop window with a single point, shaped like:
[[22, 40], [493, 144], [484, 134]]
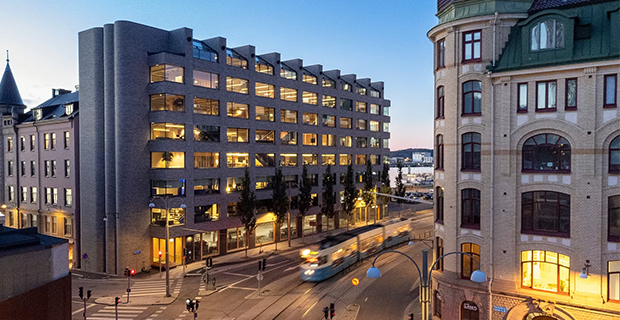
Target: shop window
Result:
[[264, 233], [613, 280], [545, 270]]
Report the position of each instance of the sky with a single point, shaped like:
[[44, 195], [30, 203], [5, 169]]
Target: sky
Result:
[[381, 40]]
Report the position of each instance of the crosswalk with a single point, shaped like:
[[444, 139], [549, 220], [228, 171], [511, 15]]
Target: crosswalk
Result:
[[124, 313], [151, 288]]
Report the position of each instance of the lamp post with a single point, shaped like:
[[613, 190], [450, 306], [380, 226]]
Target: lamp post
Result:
[[425, 277], [152, 205]]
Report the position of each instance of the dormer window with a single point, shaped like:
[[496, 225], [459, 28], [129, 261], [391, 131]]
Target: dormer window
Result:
[[38, 114], [548, 34], [69, 108], [236, 60]]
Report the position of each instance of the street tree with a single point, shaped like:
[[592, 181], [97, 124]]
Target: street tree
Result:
[[246, 208], [350, 193], [385, 185], [369, 186], [329, 197], [279, 202], [304, 200], [400, 186]]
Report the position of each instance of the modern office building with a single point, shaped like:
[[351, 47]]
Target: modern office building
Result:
[[39, 156], [527, 157], [167, 115]]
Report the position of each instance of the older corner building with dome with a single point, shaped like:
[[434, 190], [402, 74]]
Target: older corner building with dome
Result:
[[527, 157]]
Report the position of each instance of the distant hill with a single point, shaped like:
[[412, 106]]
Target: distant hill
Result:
[[406, 153]]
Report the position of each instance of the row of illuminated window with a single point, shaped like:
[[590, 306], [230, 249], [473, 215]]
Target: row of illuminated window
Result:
[[544, 91], [49, 224], [49, 168], [204, 52], [544, 152], [242, 135], [51, 195], [166, 72], [204, 160], [49, 142]]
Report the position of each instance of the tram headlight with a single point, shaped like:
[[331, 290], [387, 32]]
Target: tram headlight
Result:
[[305, 252], [309, 272]]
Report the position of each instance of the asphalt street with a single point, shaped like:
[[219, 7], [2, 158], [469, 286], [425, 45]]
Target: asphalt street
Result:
[[283, 295]]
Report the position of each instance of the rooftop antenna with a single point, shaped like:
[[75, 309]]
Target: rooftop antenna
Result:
[[7, 56]]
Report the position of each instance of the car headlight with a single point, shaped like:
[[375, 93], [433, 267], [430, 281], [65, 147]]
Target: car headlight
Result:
[[305, 252]]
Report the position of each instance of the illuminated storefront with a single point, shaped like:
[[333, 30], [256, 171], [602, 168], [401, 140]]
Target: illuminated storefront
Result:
[[175, 248]]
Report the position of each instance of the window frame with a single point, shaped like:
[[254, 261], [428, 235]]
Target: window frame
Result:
[[471, 165], [472, 266], [614, 168], [546, 108], [439, 158], [470, 202], [473, 99], [559, 154], [519, 90], [441, 53], [615, 92], [614, 237], [566, 106], [473, 42], [440, 110], [534, 213], [609, 280], [541, 262], [439, 209]]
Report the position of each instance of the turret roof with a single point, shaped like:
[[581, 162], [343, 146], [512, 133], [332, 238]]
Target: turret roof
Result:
[[9, 94]]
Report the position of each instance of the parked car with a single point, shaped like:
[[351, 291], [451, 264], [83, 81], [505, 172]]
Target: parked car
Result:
[[428, 196]]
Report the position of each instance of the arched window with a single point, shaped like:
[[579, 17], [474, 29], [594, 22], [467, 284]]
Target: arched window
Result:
[[546, 152], [439, 205], [440, 103], [545, 270], [614, 155], [548, 34], [470, 208], [472, 98], [546, 213], [468, 265], [471, 151], [439, 155], [469, 311]]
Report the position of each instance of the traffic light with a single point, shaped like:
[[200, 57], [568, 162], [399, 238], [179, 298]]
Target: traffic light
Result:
[[326, 312], [117, 300], [264, 264], [332, 311], [88, 294], [126, 273], [160, 253], [410, 316], [132, 272], [81, 292]]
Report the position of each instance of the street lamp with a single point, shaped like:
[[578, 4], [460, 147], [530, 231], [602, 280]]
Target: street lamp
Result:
[[152, 205], [425, 278]]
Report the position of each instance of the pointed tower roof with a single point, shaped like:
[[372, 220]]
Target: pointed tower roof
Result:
[[9, 94]]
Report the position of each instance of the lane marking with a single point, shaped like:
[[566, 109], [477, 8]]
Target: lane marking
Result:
[[82, 310]]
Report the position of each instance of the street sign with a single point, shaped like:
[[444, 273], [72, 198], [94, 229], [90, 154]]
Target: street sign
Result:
[[259, 277], [500, 309], [137, 252]]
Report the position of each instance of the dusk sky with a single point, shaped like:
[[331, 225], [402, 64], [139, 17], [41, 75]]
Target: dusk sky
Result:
[[381, 40]]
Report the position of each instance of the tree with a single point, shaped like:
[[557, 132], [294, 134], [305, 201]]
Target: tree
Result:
[[369, 198], [350, 193], [385, 185], [280, 201], [400, 186], [305, 195], [246, 208], [329, 197]]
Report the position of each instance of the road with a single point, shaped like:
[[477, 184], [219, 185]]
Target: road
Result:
[[283, 295]]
